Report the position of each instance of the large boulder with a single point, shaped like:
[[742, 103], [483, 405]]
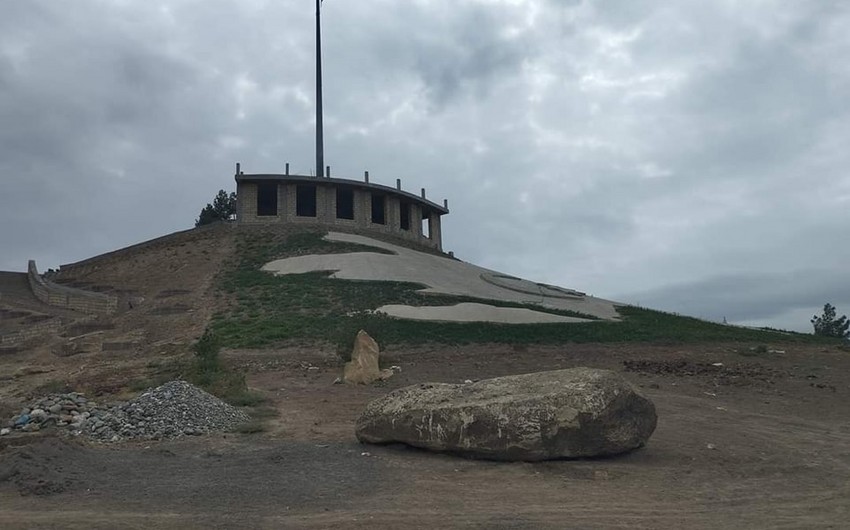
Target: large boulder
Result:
[[363, 367], [580, 412]]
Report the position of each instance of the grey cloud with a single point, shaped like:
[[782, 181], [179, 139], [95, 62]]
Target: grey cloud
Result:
[[611, 145], [746, 297], [454, 50]]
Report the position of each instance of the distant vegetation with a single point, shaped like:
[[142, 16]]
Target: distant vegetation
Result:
[[265, 309], [222, 208], [827, 325]]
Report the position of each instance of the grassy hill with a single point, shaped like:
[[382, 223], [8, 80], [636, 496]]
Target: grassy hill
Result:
[[208, 283], [260, 310]]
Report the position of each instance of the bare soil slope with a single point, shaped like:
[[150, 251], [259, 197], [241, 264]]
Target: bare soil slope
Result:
[[165, 302]]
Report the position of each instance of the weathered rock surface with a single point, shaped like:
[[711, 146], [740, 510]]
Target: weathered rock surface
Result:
[[363, 367], [580, 412]]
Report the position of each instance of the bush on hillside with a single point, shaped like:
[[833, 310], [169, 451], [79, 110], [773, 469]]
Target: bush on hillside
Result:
[[222, 208], [829, 326]]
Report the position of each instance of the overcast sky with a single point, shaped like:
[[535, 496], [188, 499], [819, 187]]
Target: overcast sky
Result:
[[684, 155]]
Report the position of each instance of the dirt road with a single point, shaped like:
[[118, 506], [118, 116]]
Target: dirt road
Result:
[[759, 441]]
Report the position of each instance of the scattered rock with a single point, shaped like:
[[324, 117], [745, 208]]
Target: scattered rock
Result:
[[580, 412], [363, 368]]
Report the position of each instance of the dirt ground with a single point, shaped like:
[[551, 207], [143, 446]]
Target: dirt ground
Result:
[[761, 441]]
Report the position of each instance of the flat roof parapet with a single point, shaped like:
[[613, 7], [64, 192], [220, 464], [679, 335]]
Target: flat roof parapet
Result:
[[440, 209]]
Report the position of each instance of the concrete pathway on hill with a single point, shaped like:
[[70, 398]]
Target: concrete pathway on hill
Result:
[[444, 275]]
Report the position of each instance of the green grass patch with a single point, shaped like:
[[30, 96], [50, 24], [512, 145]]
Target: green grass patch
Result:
[[267, 309], [209, 372]]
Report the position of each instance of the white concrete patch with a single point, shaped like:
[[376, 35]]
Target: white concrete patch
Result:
[[437, 274], [472, 312]]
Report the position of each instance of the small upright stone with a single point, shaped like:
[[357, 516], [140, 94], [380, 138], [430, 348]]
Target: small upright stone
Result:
[[363, 367]]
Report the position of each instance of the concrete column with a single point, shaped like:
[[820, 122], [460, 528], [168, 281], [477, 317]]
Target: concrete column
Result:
[[290, 197], [393, 218], [281, 202], [416, 222], [362, 211], [330, 204], [246, 197], [435, 227], [322, 203]]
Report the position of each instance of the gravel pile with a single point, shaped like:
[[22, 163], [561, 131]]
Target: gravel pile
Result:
[[174, 409], [65, 410]]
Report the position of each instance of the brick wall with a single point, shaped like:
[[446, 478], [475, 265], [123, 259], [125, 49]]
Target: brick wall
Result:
[[68, 297], [326, 212], [32, 331]]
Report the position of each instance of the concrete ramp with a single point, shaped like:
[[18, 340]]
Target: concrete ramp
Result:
[[443, 275]]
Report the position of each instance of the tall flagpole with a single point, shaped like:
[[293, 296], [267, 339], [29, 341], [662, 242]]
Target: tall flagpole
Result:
[[320, 148]]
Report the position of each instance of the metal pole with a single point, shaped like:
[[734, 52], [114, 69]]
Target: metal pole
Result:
[[320, 154]]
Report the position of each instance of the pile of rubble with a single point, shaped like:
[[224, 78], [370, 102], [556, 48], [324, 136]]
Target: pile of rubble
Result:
[[174, 409], [63, 410]]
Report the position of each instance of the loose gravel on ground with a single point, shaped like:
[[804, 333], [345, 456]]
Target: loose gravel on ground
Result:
[[172, 410]]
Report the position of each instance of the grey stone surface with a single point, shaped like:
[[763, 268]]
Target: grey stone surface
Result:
[[579, 412], [441, 275], [474, 312]]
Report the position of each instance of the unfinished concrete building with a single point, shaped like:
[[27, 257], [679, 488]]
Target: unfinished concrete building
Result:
[[335, 202]]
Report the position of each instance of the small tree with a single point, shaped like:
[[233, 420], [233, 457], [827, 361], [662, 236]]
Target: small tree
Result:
[[828, 326], [221, 209]]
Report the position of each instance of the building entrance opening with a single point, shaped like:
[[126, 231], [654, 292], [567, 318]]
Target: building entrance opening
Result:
[[404, 215], [344, 203], [267, 198], [305, 200], [379, 215]]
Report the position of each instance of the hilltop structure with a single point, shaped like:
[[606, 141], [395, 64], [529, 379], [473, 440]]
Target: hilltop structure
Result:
[[335, 202]]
